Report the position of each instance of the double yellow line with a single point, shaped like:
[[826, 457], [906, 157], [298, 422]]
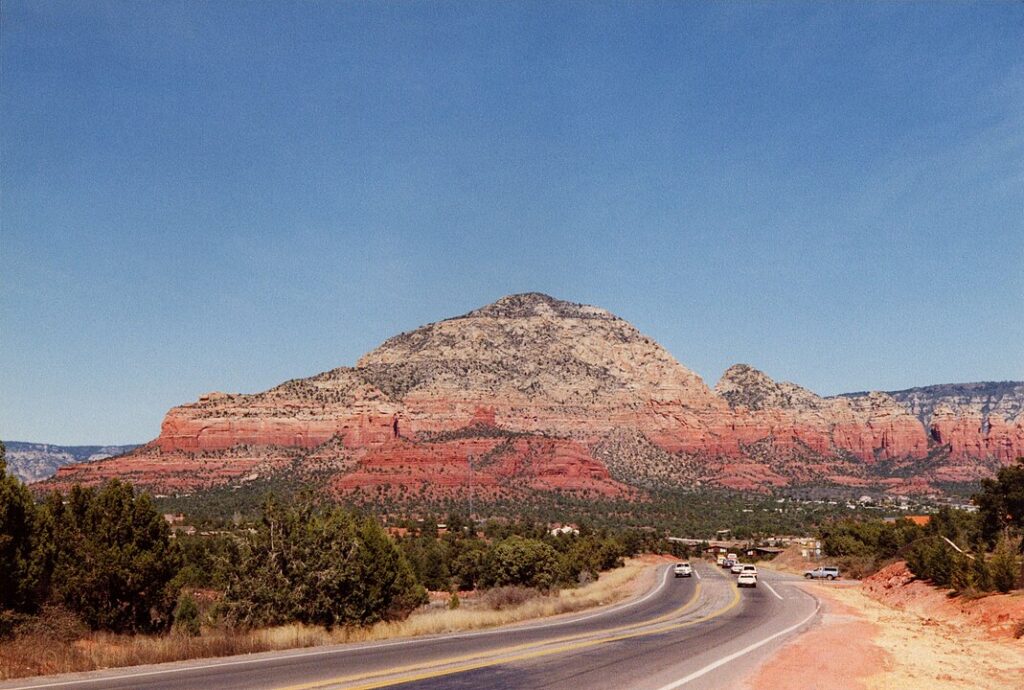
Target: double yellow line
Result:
[[529, 650]]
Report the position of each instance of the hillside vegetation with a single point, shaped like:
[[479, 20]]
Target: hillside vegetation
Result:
[[965, 552]]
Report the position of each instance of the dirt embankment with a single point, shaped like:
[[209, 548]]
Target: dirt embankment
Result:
[[890, 632], [998, 616]]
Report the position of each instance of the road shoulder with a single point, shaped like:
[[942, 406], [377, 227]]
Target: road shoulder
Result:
[[866, 645]]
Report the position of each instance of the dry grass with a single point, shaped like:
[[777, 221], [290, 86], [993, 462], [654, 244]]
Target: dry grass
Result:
[[42, 653]]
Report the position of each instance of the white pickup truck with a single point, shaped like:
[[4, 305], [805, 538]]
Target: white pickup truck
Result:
[[828, 572]]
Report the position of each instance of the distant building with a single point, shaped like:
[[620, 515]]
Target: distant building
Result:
[[564, 529]]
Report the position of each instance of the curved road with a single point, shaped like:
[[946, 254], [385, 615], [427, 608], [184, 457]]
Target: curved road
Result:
[[699, 632]]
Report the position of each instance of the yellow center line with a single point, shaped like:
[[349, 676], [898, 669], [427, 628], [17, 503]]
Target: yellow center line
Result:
[[504, 650], [487, 658]]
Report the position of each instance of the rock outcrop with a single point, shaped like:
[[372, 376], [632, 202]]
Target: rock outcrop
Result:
[[532, 393]]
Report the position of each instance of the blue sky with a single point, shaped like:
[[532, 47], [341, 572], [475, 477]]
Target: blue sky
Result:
[[221, 196]]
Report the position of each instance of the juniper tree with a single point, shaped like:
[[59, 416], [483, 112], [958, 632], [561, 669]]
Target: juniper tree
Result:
[[1004, 566], [19, 573], [113, 558], [981, 573]]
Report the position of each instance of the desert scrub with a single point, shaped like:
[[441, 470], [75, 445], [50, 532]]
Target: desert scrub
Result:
[[65, 646]]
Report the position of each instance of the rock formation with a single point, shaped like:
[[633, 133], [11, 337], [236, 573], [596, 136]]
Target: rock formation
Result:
[[532, 393]]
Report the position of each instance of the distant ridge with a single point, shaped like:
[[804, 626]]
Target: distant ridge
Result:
[[1005, 398], [32, 462]]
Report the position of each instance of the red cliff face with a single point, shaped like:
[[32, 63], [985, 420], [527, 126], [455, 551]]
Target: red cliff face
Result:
[[871, 427], [531, 390], [971, 434]]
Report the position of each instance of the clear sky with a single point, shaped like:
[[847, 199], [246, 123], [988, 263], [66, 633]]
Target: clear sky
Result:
[[223, 195]]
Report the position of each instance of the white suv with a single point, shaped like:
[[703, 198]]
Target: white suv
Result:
[[683, 570]]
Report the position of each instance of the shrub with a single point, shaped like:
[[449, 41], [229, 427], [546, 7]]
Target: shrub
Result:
[[929, 559], [981, 573], [186, 615], [498, 598], [961, 577], [1004, 566]]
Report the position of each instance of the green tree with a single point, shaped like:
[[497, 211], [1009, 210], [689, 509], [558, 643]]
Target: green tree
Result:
[[929, 559], [468, 563], [113, 559], [322, 567], [19, 566], [1004, 566], [1001, 502], [429, 560], [521, 561], [186, 615], [981, 573], [961, 576]]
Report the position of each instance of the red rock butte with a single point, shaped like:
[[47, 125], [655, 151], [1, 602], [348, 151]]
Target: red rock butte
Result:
[[531, 393]]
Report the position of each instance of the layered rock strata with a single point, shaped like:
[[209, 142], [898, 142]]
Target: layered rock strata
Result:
[[532, 393]]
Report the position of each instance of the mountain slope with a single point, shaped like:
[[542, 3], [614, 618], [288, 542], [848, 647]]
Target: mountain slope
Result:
[[532, 393]]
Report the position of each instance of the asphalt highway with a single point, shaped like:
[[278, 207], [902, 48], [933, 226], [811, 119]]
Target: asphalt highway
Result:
[[699, 632]]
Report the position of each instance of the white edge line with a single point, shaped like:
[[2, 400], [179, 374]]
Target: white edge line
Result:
[[336, 650], [772, 590], [735, 655]]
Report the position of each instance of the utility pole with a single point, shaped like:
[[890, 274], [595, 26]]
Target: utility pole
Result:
[[472, 525]]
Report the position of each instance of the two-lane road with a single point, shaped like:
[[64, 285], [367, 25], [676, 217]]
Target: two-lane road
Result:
[[693, 632]]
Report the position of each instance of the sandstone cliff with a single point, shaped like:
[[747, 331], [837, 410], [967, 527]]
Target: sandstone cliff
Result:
[[533, 393]]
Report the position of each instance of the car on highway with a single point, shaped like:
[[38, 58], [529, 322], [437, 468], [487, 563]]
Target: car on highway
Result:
[[746, 580], [728, 563], [827, 572], [749, 568], [683, 570], [737, 568]]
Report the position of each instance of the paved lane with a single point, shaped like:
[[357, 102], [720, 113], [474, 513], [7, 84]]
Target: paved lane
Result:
[[675, 630], [695, 652]]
